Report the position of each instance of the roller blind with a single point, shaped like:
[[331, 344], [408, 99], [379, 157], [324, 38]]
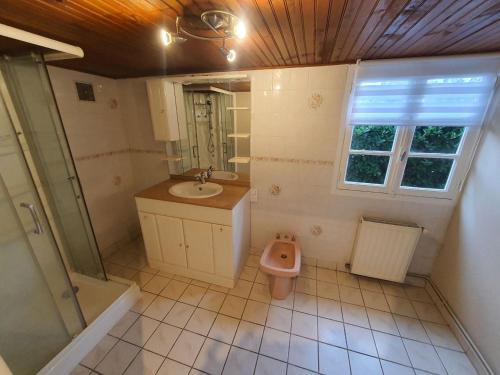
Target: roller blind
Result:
[[452, 91]]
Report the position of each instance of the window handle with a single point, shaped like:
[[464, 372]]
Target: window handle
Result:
[[34, 216], [403, 155]]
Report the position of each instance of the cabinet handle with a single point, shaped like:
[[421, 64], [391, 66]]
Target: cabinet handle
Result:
[[180, 245], [187, 246], [220, 229]]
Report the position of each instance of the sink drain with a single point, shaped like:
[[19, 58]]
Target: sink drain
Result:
[[284, 256]]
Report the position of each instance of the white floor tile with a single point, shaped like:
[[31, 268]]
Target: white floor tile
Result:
[[328, 290], [253, 261], [118, 358], [260, 292], [347, 279], [351, 295], [305, 285], [142, 278], [456, 363], [146, 363], [356, 315], [391, 368], [248, 336], [163, 339], [269, 366], [174, 289], [382, 321], [179, 314], [303, 352], [143, 302], [233, 306], [141, 331], [240, 362], [360, 340], [391, 348], [441, 335], [203, 284], [375, 300], [159, 308], [331, 332], [186, 348], [324, 274], [424, 356], [286, 303], [305, 303], [262, 278], [170, 367], [100, 350], [305, 325], [156, 284], [308, 271], [279, 318], [80, 370], [411, 328], [329, 309], [212, 300], [401, 306], [212, 357], [224, 328], [364, 365], [275, 344], [193, 295], [333, 360], [218, 288], [182, 278], [294, 370], [124, 324], [370, 284], [393, 290], [248, 273], [426, 311], [201, 321], [241, 289], [255, 312], [417, 294]]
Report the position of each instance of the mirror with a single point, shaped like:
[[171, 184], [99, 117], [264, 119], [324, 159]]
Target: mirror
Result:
[[216, 129]]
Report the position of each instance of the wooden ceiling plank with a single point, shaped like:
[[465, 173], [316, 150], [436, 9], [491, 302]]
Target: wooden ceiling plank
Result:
[[254, 32], [327, 40], [308, 9], [283, 18], [415, 16], [348, 40], [263, 9], [384, 20], [473, 19], [472, 41], [426, 23], [295, 16], [324, 26]]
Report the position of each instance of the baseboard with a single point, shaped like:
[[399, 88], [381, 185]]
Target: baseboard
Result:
[[470, 348], [67, 359]]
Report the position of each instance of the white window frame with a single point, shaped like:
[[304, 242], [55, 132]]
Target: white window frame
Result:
[[397, 164]]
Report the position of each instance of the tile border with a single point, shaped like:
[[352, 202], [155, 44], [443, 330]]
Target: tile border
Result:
[[292, 160], [118, 152]]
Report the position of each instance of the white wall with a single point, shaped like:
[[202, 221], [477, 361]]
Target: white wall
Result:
[[467, 268], [112, 144], [294, 146]]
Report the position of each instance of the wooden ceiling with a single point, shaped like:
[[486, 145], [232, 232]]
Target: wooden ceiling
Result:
[[120, 38]]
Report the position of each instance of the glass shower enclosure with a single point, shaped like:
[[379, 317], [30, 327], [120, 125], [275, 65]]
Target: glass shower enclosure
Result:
[[45, 231]]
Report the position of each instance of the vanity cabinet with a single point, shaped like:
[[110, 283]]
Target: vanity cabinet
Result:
[[205, 243]]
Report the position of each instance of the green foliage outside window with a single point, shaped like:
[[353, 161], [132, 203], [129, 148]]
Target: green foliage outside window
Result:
[[429, 173], [368, 169], [374, 138], [437, 139]]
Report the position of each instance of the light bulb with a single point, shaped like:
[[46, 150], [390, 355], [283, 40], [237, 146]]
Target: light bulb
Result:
[[166, 37], [231, 55], [240, 30]]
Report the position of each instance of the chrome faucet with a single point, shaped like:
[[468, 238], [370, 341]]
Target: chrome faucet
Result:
[[203, 176]]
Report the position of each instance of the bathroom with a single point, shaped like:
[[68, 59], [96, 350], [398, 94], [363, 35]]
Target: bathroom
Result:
[[224, 201]]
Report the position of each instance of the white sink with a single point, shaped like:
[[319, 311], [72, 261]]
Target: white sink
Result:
[[195, 190], [223, 175]]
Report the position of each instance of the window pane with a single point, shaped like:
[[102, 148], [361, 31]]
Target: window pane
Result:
[[368, 169], [427, 173], [437, 139], [376, 138]]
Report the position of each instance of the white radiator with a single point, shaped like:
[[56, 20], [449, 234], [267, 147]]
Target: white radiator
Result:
[[384, 249]]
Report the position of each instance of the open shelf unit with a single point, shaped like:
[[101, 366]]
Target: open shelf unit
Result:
[[238, 135]]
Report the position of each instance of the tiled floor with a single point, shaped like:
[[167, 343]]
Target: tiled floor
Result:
[[334, 323]]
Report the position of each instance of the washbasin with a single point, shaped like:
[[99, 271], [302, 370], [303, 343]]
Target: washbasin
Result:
[[195, 189], [224, 175]]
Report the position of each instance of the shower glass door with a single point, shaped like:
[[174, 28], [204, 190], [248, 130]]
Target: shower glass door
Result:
[[39, 314], [28, 87]]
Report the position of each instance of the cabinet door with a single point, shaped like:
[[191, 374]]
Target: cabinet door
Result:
[[223, 250], [171, 240], [199, 251], [150, 236]]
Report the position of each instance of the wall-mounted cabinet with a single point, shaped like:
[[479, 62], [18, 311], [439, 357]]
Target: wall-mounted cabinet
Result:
[[205, 243], [168, 114]]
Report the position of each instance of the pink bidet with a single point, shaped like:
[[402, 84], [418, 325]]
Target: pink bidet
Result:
[[281, 261]]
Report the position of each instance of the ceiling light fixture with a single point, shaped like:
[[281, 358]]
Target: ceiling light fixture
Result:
[[217, 25]]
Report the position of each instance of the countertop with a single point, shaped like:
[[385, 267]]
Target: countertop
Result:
[[226, 200]]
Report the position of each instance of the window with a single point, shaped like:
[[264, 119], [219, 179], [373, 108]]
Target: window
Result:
[[412, 126]]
